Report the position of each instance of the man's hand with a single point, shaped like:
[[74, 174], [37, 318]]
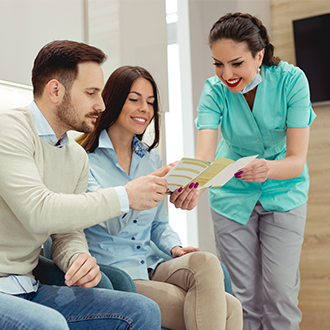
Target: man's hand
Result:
[[83, 272], [164, 170], [145, 192], [178, 251]]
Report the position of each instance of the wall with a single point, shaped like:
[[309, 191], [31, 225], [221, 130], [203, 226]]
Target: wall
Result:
[[26, 26], [130, 35], [315, 259]]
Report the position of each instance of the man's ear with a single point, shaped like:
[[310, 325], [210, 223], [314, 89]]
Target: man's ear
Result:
[[55, 91]]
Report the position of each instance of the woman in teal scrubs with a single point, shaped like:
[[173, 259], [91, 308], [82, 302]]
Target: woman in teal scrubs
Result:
[[262, 105]]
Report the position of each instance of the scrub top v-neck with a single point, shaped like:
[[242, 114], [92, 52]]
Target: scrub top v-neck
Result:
[[282, 100]]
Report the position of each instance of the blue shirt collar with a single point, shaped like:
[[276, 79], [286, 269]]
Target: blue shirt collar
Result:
[[139, 147], [43, 128]]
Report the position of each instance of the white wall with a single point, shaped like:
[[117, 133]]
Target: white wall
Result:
[[131, 32], [14, 95], [27, 25]]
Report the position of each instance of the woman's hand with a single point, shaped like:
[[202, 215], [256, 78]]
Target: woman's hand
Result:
[[286, 168], [179, 251], [186, 199], [256, 171]]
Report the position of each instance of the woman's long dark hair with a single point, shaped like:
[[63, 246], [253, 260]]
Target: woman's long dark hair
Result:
[[114, 95], [244, 28]]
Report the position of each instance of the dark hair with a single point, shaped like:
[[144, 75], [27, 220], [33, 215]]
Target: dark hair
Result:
[[114, 95], [59, 60], [244, 28]]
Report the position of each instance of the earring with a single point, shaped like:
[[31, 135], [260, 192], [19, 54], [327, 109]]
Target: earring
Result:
[[259, 70]]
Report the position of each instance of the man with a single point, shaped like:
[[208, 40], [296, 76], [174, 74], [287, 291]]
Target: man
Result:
[[43, 177]]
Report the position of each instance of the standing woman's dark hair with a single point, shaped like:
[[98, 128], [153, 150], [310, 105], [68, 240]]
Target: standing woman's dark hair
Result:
[[114, 95], [244, 28]]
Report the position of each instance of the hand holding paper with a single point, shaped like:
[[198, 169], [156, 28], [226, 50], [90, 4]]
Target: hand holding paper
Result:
[[216, 174]]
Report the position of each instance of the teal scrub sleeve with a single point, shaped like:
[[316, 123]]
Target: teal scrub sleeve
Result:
[[300, 112], [209, 108]]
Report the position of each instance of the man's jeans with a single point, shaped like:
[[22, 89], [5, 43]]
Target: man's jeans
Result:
[[62, 307]]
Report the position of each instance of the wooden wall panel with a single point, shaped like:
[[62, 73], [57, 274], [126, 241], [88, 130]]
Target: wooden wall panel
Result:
[[314, 297]]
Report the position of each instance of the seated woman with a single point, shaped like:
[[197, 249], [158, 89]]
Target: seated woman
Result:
[[189, 288]]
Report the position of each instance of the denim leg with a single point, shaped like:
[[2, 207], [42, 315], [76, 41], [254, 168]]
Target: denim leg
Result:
[[20, 314], [100, 308]]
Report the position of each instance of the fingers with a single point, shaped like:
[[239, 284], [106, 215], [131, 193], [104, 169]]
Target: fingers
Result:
[[190, 249], [163, 170], [256, 171], [145, 192], [185, 199], [176, 251], [83, 272], [90, 281], [179, 251], [155, 188]]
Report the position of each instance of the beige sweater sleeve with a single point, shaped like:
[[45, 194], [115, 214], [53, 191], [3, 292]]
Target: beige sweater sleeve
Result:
[[67, 247], [43, 210]]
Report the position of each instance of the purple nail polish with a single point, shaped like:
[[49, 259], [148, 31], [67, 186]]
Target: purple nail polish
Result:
[[191, 185], [237, 176], [196, 185], [239, 173], [180, 189]]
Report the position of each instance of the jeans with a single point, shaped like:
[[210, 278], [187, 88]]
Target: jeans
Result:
[[62, 307]]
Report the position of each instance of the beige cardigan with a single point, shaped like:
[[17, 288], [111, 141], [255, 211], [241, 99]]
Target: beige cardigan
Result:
[[42, 193]]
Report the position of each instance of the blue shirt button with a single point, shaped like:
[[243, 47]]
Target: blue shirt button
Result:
[[138, 247], [142, 262], [133, 238], [135, 221]]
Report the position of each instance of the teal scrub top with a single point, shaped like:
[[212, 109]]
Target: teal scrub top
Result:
[[282, 100]]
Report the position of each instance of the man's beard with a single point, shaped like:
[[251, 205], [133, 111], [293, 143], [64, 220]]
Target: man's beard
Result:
[[68, 116]]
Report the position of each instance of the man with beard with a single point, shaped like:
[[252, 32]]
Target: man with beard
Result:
[[43, 175]]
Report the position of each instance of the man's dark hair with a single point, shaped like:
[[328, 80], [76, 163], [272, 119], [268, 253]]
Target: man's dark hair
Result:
[[59, 60]]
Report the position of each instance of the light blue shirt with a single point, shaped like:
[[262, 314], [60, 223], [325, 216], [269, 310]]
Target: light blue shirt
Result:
[[126, 243], [44, 130], [282, 100]]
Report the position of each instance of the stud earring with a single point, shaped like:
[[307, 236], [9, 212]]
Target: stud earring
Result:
[[259, 70]]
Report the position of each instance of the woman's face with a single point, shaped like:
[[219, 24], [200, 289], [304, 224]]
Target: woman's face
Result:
[[138, 109], [234, 63]]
